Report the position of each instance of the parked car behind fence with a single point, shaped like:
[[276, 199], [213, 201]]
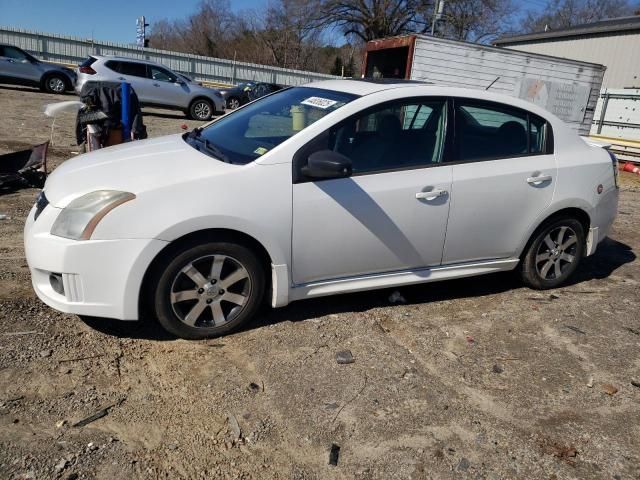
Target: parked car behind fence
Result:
[[20, 68], [155, 85], [246, 92]]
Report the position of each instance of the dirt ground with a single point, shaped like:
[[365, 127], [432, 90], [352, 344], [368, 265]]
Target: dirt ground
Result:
[[477, 378]]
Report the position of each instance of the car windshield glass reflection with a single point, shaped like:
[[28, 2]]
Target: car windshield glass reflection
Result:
[[252, 131]]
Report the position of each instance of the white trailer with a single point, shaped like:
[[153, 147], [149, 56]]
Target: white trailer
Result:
[[567, 88]]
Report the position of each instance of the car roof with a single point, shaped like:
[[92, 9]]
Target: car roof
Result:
[[127, 59], [362, 87]]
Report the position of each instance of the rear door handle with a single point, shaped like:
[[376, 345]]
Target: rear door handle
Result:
[[539, 179], [431, 195], [156, 85], [121, 78]]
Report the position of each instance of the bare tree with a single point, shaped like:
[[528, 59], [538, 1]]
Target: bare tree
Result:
[[476, 20], [289, 31], [371, 19], [205, 32], [567, 13]]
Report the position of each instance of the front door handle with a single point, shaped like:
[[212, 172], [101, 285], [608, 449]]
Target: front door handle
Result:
[[156, 84], [121, 78], [431, 195], [539, 179]]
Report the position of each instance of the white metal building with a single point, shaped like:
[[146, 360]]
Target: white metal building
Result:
[[614, 43]]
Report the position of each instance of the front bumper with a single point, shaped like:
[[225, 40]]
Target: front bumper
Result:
[[100, 278]]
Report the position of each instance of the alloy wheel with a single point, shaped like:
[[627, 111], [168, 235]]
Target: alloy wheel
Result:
[[210, 291], [556, 252], [233, 103], [56, 84], [202, 110]]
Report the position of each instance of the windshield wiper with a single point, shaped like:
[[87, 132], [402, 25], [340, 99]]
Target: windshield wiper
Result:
[[208, 146]]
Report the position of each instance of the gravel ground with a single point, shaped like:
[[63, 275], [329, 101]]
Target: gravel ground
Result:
[[475, 378]]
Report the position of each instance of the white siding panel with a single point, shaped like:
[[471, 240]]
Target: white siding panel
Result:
[[619, 52], [477, 66]]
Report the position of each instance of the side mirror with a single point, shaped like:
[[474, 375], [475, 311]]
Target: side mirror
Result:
[[179, 81], [327, 164]]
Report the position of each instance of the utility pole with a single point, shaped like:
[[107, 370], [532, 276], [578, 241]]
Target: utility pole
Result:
[[438, 11]]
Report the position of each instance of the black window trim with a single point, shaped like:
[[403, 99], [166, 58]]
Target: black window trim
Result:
[[548, 147], [297, 161]]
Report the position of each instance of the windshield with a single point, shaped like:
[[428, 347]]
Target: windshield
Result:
[[249, 133]]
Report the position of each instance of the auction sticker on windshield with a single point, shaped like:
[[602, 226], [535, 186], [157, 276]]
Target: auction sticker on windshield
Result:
[[319, 102]]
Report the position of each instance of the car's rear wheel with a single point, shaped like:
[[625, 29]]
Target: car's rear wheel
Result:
[[55, 84], [553, 254], [233, 103], [208, 289], [201, 109]]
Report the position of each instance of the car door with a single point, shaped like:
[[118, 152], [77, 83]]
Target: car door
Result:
[[391, 214], [164, 89], [503, 177], [14, 64], [135, 74]]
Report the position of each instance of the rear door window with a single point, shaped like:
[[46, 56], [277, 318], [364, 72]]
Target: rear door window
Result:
[[111, 65], [133, 69], [487, 131]]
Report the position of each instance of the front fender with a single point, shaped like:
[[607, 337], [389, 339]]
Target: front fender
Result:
[[196, 224]]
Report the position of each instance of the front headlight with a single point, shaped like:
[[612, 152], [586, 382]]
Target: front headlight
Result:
[[79, 219]]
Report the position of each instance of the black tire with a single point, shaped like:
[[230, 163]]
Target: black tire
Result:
[[173, 314], [55, 83], [201, 109], [233, 102], [538, 268]]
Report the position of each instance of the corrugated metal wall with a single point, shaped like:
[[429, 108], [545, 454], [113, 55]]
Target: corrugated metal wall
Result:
[[66, 49], [476, 66], [619, 52]]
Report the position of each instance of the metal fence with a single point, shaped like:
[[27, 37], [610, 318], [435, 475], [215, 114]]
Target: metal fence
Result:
[[617, 121], [67, 49]]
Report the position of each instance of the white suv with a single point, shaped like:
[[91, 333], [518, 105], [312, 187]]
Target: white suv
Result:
[[333, 187], [155, 85]]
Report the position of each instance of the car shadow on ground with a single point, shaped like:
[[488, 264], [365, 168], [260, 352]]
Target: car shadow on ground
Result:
[[610, 256], [18, 88], [171, 116]]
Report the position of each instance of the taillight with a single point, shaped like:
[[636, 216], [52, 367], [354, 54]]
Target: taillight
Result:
[[87, 70], [614, 162]]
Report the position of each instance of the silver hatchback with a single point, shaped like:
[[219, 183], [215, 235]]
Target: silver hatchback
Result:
[[155, 85]]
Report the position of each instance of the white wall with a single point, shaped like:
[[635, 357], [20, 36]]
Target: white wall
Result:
[[619, 52]]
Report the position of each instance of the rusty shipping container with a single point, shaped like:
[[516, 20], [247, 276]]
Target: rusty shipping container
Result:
[[567, 88]]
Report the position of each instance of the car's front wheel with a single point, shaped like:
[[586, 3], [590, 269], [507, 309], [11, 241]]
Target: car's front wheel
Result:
[[553, 254], [201, 109], [208, 289]]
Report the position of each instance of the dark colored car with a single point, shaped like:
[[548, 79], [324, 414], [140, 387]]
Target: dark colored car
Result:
[[20, 68], [246, 92]]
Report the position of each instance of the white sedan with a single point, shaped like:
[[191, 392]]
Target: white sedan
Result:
[[333, 187]]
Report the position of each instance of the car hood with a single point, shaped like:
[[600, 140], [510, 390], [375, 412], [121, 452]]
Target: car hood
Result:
[[133, 167]]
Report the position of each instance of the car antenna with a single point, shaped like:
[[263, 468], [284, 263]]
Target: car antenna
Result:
[[491, 84]]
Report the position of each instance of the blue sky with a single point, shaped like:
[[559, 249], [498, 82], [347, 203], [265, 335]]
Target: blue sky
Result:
[[112, 20]]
